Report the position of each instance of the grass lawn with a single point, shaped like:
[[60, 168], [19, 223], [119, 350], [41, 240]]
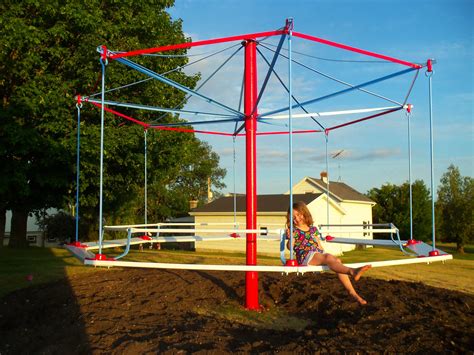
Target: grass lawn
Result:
[[49, 264], [456, 274], [17, 266]]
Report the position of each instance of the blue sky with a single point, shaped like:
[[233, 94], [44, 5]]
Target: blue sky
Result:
[[374, 152]]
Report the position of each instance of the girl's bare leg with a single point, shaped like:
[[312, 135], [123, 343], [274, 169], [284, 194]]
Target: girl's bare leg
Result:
[[342, 271], [336, 265], [346, 282]]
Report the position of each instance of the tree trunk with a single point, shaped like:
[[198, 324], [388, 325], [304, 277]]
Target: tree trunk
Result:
[[3, 219], [460, 248], [18, 229]]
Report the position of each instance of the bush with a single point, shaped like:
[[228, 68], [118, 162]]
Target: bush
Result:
[[60, 226]]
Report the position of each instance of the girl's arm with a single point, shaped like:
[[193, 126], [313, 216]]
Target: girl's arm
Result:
[[320, 244], [318, 239], [288, 238]]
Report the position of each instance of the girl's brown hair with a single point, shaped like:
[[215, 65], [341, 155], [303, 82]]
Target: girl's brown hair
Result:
[[301, 207]]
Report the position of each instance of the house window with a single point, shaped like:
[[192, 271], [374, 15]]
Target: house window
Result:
[[264, 230], [31, 238]]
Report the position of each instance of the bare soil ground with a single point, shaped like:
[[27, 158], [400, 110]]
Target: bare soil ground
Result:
[[165, 311]]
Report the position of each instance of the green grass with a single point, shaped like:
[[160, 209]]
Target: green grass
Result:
[[456, 274], [43, 264], [49, 264], [272, 318]]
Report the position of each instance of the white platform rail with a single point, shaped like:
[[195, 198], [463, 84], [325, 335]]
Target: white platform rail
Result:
[[418, 252], [259, 268]]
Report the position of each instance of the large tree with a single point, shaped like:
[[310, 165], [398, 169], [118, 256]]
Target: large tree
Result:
[[455, 208], [47, 57], [393, 207]]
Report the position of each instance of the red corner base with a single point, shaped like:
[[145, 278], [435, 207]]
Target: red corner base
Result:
[[77, 245], [291, 262], [413, 242], [433, 253], [145, 237], [101, 257]]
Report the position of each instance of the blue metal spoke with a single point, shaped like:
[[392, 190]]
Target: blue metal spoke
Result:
[[174, 84], [160, 109], [336, 80], [190, 123], [371, 82], [286, 88], [165, 73], [205, 81], [270, 70]]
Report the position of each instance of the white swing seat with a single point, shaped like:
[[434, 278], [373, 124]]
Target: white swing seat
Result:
[[419, 248]]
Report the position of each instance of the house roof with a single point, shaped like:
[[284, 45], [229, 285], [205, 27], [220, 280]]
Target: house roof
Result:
[[265, 203], [341, 190]]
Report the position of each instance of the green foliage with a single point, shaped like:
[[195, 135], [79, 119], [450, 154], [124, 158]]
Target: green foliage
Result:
[[393, 207], [60, 226], [47, 57], [455, 207]]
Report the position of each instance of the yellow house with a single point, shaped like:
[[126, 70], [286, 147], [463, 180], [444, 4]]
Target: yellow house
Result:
[[346, 206]]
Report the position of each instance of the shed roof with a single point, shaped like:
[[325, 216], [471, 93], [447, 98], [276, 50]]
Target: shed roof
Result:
[[342, 191], [265, 203]]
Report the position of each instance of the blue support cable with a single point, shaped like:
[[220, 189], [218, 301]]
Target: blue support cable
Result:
[[409, 175], [430, 93], [101, 182], [294, 98], [290, 135], [174, 84], [159, 109], [338, 80], [189, 123], [240, 104], [234, 178], [205, 81], [270, 70], [165, 73], [411, 87], [146, 176], [78, 167], [326, 136], [371, 82], [237, 130]]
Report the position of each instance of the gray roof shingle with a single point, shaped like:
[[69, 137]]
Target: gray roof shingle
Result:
[[343, 191], [265, 203]]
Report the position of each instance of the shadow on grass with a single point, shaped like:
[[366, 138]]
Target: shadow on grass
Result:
[[39, 310]]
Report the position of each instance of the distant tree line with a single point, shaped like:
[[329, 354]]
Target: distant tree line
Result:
[[48, 56], [453, 208]]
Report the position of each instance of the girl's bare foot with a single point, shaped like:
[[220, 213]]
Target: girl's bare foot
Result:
[[358, 272], [359, 299]]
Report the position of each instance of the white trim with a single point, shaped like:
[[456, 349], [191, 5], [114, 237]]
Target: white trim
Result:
[[323, 190], [332, 203], [80, 253], [190, 230], [261, 268], [358, 201], [117, 243], [330, 113], [231, 213], [354, 230]]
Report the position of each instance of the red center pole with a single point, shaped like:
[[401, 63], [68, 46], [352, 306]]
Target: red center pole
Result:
[[250, 111]]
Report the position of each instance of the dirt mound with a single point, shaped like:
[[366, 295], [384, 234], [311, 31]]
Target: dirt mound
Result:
[[142, 311]]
